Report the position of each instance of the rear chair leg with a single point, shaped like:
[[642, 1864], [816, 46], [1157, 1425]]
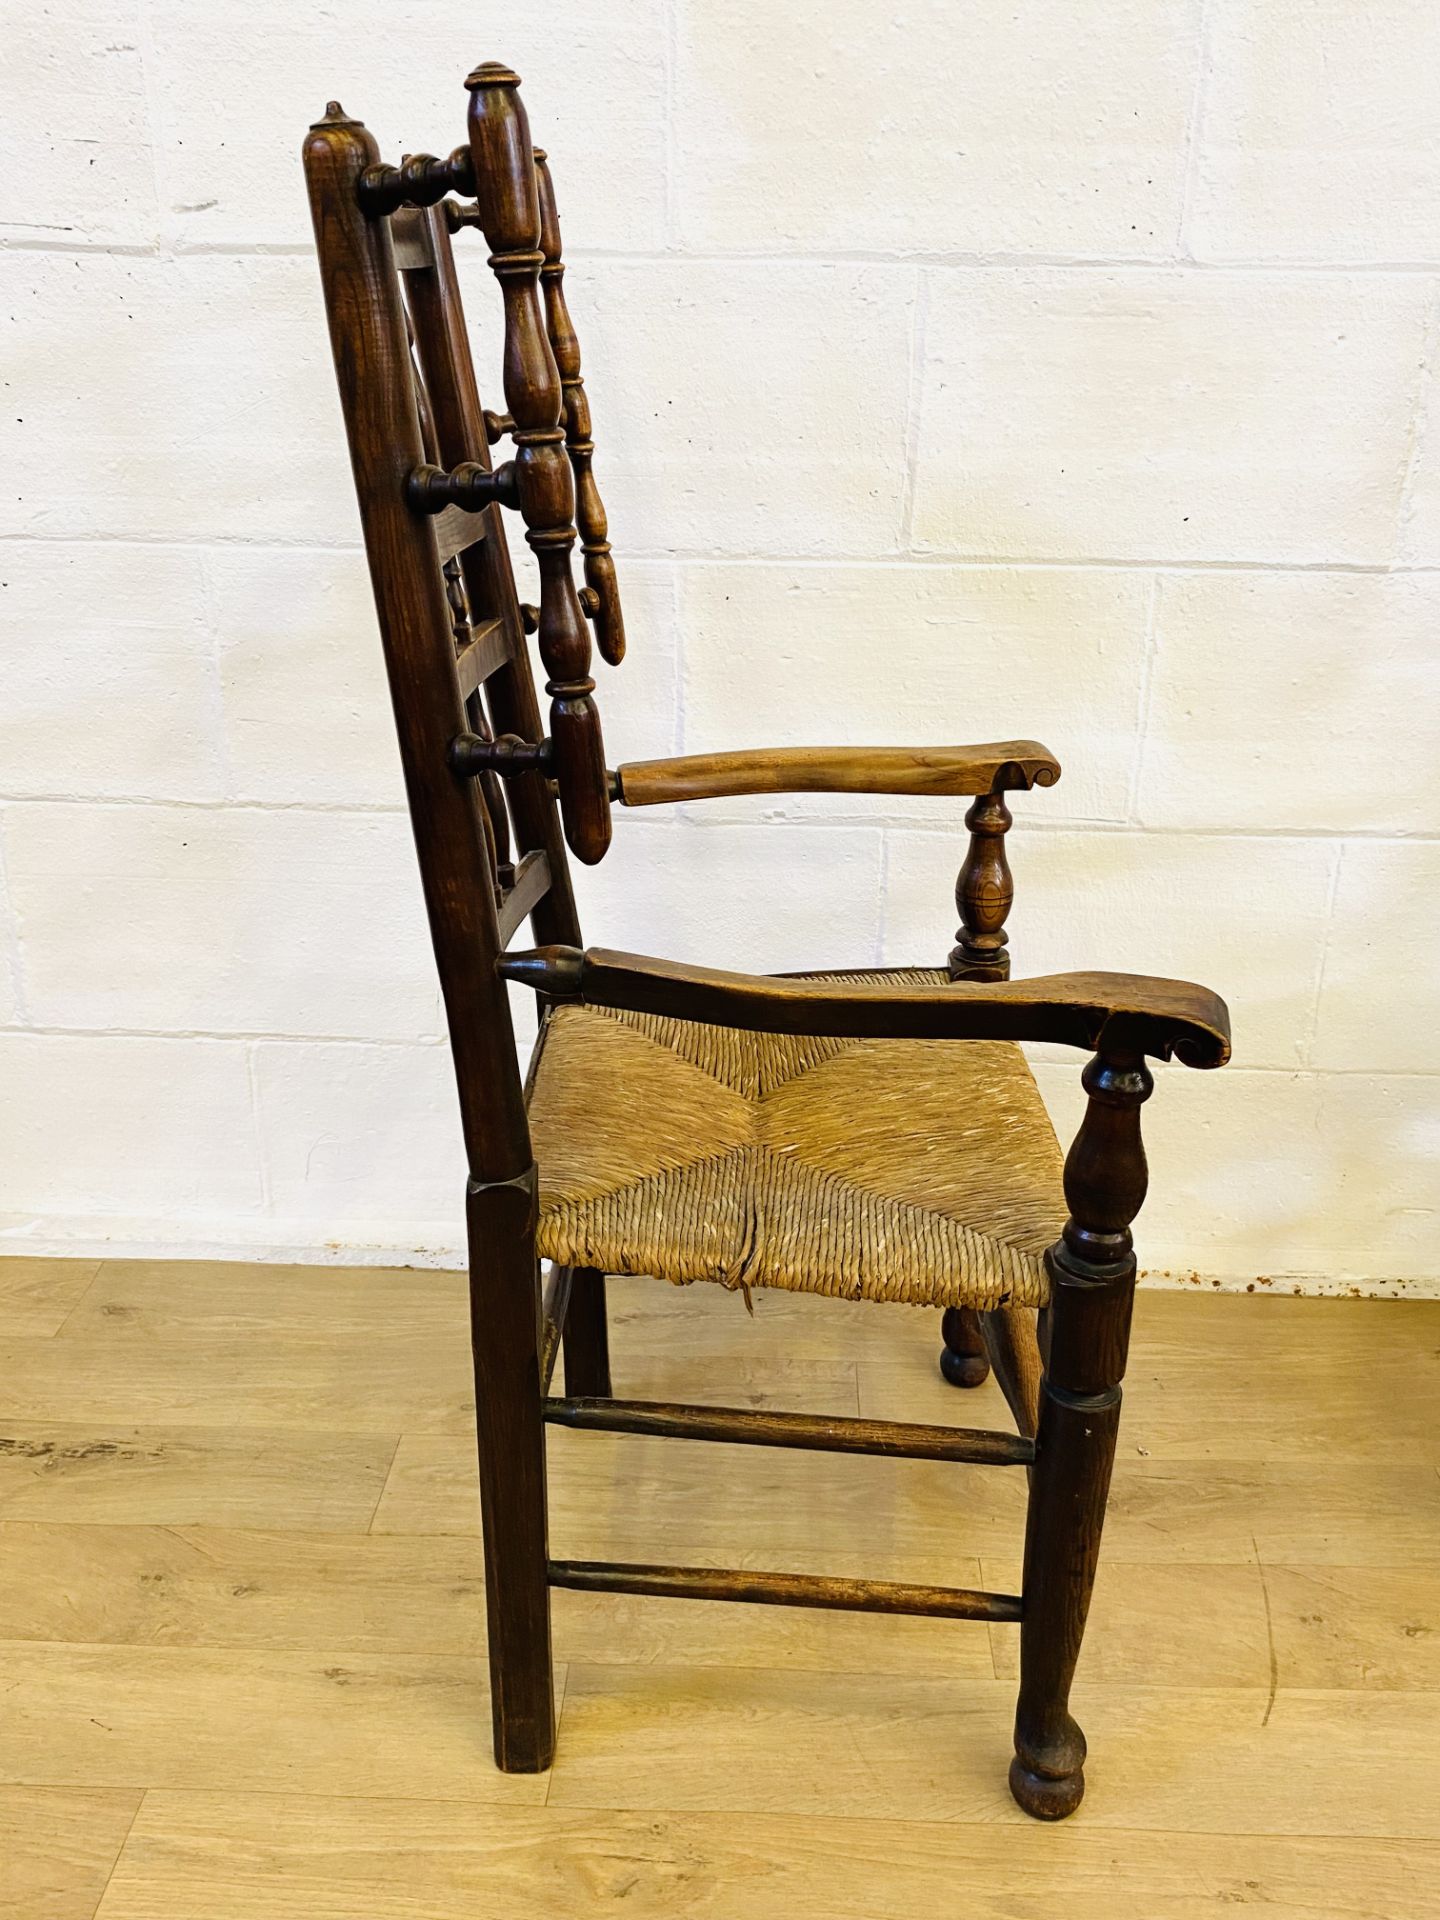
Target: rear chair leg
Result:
[[1010, 1336], [505, 1342], [962, 1358], [1092, 1276], [587, 1337]]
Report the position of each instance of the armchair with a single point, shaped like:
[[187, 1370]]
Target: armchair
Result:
[[870, 1135]]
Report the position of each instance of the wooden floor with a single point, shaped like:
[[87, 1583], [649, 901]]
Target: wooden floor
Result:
[[241, 1600]]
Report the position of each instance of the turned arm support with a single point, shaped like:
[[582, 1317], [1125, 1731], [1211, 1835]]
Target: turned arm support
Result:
[[996, 767], [1112, 1013]]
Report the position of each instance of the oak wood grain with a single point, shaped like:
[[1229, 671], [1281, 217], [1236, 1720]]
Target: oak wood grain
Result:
[[38, 1296], [242, 1474], [58, 1848], [229, 1717], [906, 770], [1115, 1012], [274, 1857]]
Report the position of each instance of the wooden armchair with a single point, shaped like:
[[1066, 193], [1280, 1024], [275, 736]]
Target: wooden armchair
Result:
[[869, 1135]]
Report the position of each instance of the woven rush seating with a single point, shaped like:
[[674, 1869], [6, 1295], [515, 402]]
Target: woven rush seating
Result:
[[910, 1170]]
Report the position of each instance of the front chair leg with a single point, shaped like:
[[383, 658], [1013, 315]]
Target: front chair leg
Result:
[[505, 1342], [1092, 1281], [587, 1337]]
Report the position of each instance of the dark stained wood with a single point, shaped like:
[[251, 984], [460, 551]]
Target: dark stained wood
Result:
[[486, 650], [984, 893], [810, 1432], [963, 1359], [372, 364], [912, 770], [507, 196], [554, 1308], [505, 1343], [1092, 1275], [587, 1337], [1010, 1340], [419, 181], [483, 778], [532, 879], [443, 349], [456, 530], [601, 601], [784, 1590], [455, 841], [1153, 1016], [471, 487]]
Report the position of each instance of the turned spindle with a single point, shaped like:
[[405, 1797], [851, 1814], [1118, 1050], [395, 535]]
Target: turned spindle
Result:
[[602, 598], [508, 202], [983, 894], [1087, 1324], [470, 486], [419, 181]]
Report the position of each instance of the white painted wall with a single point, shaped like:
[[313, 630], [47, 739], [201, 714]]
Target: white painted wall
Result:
[[959, 371]]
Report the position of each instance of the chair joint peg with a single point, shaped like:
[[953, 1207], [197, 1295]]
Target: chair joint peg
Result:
[[508, 756], [419, 181], [469, 486], [529, 617], [589, 602], [497, 425]]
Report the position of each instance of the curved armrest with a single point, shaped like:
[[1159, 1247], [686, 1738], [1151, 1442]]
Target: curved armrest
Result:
[[1115, 1013], [994, 768]]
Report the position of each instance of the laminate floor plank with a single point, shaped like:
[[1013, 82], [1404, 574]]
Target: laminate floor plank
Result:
[[264, 1857], [38, 1296], [1231, 1760], [395, 1725], [184, 1301], [240, 1575], [57, 1849], [180, 1476]]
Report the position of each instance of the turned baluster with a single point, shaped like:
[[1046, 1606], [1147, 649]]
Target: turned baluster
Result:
[[1092, 1286], [507, 198], [601, 598], [983, 894]]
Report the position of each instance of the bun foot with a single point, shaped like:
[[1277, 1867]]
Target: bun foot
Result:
[[963, 1360], [1043, 1798]]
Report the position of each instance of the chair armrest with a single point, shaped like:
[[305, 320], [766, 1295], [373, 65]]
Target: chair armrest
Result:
[[1116, 1013], [993, 768]]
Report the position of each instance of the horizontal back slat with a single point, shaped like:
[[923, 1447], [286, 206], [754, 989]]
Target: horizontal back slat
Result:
[[455, 530], [532, 882], [488, 649]]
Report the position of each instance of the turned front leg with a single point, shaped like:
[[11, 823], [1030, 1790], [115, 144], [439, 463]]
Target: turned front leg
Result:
[[1092, 1286]]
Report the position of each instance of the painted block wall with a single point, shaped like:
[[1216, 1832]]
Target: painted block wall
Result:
[[959, 372]]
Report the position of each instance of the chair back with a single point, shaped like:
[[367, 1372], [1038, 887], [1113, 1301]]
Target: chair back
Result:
[[482, 778]]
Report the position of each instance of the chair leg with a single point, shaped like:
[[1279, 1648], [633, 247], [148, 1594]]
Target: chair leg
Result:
[[505, 1342], [587, 1337], [962, 1358], [1092, 1275], [1013, 1349]]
